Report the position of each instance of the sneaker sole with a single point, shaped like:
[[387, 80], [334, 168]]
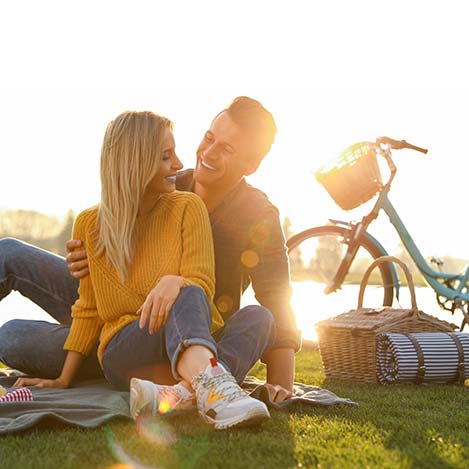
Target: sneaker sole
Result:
[[254, 416], [134, 392]]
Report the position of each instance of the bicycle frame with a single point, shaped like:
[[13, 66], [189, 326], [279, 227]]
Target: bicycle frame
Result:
[[452, 287], [434, 278]]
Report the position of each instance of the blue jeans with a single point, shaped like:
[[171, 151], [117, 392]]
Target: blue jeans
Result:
[[36, 347]]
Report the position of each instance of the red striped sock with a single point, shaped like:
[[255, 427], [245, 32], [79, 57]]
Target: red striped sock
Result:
[[18, 395]]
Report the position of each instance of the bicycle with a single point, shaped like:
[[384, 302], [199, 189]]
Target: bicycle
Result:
[[353, 180]]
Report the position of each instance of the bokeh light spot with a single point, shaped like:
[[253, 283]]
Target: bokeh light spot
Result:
[[249, 258], [224, 303], [259, 234]]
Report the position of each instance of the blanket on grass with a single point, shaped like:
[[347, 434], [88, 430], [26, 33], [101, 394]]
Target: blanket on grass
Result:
[[93, 403]]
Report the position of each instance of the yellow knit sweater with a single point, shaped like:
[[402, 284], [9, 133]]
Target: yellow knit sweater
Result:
[[174, 239]]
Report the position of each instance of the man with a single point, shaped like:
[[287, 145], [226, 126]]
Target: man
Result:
[[248, 240]]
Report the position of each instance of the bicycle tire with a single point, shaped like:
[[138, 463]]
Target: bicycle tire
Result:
[[367, 246]]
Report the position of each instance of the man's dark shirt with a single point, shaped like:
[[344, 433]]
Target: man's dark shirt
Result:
[[250, 248]]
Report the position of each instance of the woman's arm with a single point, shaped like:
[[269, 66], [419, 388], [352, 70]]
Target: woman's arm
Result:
[[86, 324], [159, 302], [85, 328], [72, 364]]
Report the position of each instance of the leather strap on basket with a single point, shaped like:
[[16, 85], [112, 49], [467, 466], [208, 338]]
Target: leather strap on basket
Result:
[[381, 260], [461, 364], [421, 362]]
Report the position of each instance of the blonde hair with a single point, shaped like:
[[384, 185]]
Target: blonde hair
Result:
[[130, 157]]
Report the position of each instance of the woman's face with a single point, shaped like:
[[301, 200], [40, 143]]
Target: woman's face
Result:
[[165, 178]]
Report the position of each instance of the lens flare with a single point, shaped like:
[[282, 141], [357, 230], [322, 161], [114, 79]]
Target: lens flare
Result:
[[224, 303], [164, 406], [125, 460], [155, 431]]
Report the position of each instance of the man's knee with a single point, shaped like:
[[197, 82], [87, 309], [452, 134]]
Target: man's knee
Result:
[[10, 248], [10, 333], [10, 329], [257, 316]]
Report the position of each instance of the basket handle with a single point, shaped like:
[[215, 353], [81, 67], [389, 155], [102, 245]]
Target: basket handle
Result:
[[374, 264]]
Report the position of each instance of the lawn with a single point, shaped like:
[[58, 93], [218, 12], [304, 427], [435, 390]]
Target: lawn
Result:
[[394, 427]]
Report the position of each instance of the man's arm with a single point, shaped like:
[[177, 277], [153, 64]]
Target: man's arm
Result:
[[77, 260], [270, 277], [271, 284]]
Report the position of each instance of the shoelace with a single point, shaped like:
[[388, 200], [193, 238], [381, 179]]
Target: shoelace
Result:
[[230, 394]]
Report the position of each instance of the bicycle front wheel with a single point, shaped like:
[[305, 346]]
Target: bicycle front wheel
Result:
[[315, 256]]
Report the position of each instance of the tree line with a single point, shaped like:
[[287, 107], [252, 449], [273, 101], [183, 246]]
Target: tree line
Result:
[[47, 232], [308, 262]]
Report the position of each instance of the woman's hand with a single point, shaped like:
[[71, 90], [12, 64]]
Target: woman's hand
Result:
[[159, 302], [40, 383], [72, 363]]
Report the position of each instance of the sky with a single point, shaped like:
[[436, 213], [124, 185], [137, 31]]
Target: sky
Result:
[[332, 73]]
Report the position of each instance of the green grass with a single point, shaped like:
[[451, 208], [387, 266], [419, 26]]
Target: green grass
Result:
[[394, 427]]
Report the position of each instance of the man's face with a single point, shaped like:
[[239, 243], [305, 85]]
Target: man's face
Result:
[[225, 154]]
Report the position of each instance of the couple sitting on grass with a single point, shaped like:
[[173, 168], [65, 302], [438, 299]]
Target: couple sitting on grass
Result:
[[148, 314]]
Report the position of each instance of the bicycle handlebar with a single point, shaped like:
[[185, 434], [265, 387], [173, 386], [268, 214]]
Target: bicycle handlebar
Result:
[[399, 144]]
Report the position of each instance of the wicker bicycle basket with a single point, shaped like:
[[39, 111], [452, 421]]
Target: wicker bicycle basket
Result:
[[347, 342], [354, 177]]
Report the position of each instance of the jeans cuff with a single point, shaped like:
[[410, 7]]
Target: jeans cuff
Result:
[[183, 346]]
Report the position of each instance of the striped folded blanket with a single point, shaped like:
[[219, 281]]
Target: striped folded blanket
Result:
[[18, 395], [422, 357]]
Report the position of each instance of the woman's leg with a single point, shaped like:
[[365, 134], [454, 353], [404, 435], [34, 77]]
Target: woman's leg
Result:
[[39, 275], [186, 344], [133, 352], [36, 348], [220, 400]]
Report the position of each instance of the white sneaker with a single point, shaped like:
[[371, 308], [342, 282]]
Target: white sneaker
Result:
[[147, 398], [222, 403]]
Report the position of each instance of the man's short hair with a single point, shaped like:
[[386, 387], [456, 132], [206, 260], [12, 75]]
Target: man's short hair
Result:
[[252, 116]]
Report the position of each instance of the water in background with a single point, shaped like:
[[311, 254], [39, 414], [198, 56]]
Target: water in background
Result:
[[307, 302], [311, 305]]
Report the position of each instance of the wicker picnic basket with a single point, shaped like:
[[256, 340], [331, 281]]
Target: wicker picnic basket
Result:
[[347, 342], [354, 177]]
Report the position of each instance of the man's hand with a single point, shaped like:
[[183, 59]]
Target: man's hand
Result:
[[280, 373], [77, 261], [277, 393], [40, 383], [159, 302]]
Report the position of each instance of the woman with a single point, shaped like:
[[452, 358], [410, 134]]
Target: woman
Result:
[[148, 298]]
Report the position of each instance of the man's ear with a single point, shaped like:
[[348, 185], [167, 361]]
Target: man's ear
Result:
[[252, 169], [252, 166]]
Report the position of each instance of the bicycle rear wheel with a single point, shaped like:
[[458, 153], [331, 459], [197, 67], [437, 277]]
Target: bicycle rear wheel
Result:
[[315, 255]]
